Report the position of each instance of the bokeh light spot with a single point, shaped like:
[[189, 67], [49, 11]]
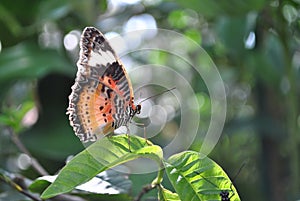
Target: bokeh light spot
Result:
[[71, 40], [250, 41]]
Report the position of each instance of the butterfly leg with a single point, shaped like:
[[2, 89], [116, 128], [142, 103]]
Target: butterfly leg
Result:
[[128, 135], [145, 136], [145, 133]]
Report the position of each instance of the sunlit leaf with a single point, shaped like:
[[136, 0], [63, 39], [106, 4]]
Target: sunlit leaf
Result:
[[195, 177], [107, 182], [166, 195], [100, 156]]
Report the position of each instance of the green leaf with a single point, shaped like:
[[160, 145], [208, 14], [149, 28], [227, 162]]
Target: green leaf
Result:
[[215, 8], [53, 10], [101, 197], [13, 116], [39, 185], [166, 195], [196, 177], [194, 35], [100, 156], [9, 19], [108, 182], [28, 61]]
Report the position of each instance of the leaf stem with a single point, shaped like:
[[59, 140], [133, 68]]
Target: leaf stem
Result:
[[160, 174]]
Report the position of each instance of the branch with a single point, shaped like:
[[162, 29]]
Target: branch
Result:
[[145, 190], [18, 188], [35, 164]]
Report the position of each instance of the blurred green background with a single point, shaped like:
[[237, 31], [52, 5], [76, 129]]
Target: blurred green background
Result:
[[254, 44]]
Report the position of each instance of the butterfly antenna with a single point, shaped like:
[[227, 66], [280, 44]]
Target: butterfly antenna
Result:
[[158, 94], [239, 171]]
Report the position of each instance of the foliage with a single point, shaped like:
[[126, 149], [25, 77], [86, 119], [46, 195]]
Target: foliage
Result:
[[98, 157], [189, 172]]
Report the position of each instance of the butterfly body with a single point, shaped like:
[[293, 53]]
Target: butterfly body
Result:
[[225, 196], [102, 96]]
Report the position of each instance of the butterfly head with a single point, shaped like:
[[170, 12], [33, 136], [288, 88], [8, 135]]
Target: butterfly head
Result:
[[135, 110]]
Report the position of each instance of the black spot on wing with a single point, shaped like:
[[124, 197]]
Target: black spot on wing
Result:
[[115, 71], [108, 92]]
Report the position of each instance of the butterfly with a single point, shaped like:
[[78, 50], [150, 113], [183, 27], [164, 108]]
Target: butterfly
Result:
[[102, 97]]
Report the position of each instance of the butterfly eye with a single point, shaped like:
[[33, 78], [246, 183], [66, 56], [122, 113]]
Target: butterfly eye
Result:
[[138, 109]]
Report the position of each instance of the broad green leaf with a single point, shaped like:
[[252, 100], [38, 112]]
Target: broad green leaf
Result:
[[166, 195], [39, 185], [195, 177], [100, 156], [108, 182]]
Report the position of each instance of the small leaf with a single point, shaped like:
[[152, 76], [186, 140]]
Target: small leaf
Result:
[[195, 177], [166, 195], [13, 116], [40, 184], [100, 156]]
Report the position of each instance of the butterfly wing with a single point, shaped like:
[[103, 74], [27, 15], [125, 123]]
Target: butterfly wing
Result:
[[102, 96]]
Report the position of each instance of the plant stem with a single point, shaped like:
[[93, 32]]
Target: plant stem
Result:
[[144, 190], [157, 181], [18, 188], [160, 174], [291, 104]]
